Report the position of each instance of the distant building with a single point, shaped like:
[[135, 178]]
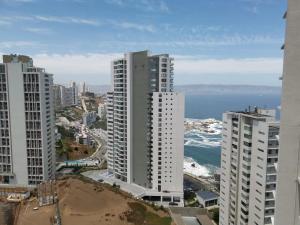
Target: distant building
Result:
[[27, 141], [89, 94], [74, 90], [288, 186], [146, 126], [82, 89], [65, 96], [102, 111], [248, 167], [89, 118], [84, 139], [57, 135], [57, 97], [207, 198]]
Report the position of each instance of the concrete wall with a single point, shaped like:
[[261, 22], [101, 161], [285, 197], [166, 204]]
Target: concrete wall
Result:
[[17, 123], [287, 202], [169, 123], [139, 127]]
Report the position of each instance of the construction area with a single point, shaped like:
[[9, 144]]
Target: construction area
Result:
[[75, 200]]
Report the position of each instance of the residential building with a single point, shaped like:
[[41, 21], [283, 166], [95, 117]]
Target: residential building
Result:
[[65, 96], [102, 111], [74, 92], [146, 126], [82, 89], [27, 150], [207, 199], [88, 118], [57, 97], [288, 186], [248, 167]]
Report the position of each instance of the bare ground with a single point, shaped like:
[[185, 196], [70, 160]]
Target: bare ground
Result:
[[83, 202]]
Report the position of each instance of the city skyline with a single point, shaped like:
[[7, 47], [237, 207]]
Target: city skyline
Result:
[[76, 40]]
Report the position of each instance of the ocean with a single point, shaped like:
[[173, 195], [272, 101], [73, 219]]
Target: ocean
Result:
[[205, 149]]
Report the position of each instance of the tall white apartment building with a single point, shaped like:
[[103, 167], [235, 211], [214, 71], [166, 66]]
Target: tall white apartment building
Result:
[[249, 167], [146, 126], [82, 89], [27, 145], [288, 188]]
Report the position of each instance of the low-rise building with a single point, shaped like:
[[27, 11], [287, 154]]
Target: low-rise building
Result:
[[207, 198]]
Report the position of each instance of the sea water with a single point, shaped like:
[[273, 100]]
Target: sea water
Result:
[[203, 150]]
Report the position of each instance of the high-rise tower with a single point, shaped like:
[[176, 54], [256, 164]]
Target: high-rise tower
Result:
[[27, 146], [288, 187], [146, 125], [248, 167]]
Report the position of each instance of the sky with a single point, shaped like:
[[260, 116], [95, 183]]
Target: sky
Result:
[[212, 41]]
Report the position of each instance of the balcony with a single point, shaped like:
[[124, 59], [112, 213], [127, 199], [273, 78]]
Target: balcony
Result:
[[270, 204]]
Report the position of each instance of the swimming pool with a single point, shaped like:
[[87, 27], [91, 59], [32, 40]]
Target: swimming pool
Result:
[[190, 220]]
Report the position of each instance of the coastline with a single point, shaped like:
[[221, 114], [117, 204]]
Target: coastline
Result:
[[202, 146]]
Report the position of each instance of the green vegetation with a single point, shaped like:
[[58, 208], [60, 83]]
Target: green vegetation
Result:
[[215, 215], [189, 195], [65, 132], [63, 146], [91, 104], [72, 113], [190, 199], [100, 124], [68, 147], [140, 215]]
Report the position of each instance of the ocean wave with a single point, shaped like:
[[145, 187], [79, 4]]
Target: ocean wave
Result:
[[190, 166], [200, 133], [201, 143], [207, 126], [203, 133]]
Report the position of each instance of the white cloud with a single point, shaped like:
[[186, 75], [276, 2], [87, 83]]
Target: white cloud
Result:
[[96, 67], [16, 44], [71, 66], [58, 19], [4, 23], [38, 30], [115, 2], [244, 66], [136, 26], [81, 21], [202, 42], [144, 5]]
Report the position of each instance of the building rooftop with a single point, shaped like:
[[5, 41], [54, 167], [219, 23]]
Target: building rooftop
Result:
[[207, 195], [257, 112], [16, 58]]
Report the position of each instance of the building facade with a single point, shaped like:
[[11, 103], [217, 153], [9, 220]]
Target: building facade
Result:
[[146, 126], [288, 186], [102, 111], [65, 96], [27, 150], [74, 90], [249, 167], [88, 118]]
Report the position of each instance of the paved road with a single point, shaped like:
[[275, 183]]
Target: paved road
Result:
[[83, 105], [101, 140]]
